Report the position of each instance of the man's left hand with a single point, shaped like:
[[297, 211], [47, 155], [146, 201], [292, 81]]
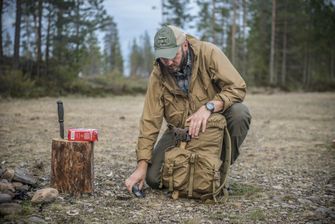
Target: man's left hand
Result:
[[198, 120]]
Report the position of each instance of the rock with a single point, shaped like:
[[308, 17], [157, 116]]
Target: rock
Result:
[[277, 187], [10, 208], [22, 176], [45, 195], [304, 201], [73, 212], [17, 184], [4, 181], [8, 174], [22, 188], [237, 205], [5, 198], [35, 219], [6, 187]]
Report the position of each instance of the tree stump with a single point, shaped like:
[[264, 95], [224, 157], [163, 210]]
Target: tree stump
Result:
[[72, 166]]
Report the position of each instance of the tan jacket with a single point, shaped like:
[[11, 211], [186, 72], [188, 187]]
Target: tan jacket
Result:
[[213, 78]]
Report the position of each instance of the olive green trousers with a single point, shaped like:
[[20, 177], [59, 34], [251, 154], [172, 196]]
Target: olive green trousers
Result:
[[238, 121]]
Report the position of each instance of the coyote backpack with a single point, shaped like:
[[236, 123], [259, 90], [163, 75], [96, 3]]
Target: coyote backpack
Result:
[[194, 169]]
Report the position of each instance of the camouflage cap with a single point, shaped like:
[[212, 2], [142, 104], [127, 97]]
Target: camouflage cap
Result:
[[167, 41]]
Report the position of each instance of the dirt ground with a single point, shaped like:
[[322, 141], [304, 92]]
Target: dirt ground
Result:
[[285, 173]]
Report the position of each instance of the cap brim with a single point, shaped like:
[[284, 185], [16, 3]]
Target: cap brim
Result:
[[166, 53]]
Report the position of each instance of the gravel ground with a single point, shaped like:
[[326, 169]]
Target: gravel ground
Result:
[[285, 173]]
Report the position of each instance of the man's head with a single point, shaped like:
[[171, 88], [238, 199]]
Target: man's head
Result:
[[170, 47]]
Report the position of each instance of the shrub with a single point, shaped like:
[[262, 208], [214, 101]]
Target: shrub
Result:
[[13, 83]]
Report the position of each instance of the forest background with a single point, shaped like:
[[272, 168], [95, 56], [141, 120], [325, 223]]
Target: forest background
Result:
[[56, 49]]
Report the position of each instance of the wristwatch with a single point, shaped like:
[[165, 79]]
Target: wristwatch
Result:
[[210, 106]]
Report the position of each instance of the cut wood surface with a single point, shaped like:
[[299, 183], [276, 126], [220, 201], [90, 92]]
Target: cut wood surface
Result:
[[72, 166]]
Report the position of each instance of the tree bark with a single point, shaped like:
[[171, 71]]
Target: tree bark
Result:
[[233, 32], [16, 57], [39, 37], [72, 166], [273, 39], [284, 51], [1, 44], [244, 65], [213, 22], [47, 44]]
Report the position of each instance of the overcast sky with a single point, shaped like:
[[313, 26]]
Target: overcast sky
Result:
[[133, 18]]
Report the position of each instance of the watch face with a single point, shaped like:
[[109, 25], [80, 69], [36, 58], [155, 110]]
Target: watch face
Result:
[[210, 106]]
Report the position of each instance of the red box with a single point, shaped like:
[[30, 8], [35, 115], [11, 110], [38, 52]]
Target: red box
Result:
[[82, 134]]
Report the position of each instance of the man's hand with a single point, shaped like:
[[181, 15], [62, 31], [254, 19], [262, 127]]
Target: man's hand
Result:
[[199, 119], [138, 176]]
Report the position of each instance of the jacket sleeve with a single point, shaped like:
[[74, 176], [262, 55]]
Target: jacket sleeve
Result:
[[151, 119], [228, 79]]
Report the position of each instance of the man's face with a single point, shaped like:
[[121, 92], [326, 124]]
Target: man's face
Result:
[[173, 65]]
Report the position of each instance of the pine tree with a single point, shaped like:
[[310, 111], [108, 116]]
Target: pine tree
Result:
[[147, 54], [213, 21], [135, 60], [17, 45], [91, 63], [112, 50], [176, 12]]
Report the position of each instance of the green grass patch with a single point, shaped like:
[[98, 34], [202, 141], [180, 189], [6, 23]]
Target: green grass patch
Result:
[[27, 208], [195, 220], [244, 190], [257, 215], [288, 198]]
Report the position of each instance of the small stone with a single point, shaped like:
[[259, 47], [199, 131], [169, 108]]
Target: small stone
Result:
[[4, 181], [22, 188], [10, 208], [109, 183], [8, 174], [90, 210], [304, 201], [6, 187], [5, 198], [237, 205], [73, 212], [22, 176], [45, 195], [309, 214], [277, 187], [35, 219], [17, 184]]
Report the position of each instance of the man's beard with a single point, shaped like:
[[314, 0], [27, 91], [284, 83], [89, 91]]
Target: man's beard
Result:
[[175, 69]]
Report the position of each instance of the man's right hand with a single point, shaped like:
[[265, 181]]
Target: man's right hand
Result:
[[138, 176]]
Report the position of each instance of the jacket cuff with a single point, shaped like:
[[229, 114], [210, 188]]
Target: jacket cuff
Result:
[[226, 102], [143, 155]]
